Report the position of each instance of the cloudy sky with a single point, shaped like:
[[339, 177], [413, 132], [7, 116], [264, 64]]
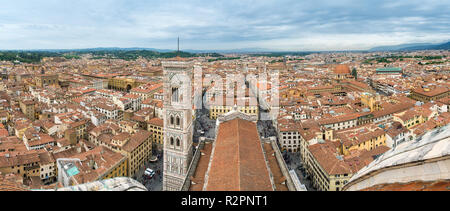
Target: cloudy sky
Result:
[[219, 24]]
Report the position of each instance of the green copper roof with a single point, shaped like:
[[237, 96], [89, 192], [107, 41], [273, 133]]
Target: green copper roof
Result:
[[389, 69], [73, 171]]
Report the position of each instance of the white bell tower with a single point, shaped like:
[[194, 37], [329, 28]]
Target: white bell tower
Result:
[[178, 122]]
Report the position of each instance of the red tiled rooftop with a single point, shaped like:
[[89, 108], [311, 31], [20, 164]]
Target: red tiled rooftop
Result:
[[432, 91], [238, 162], [275, 168], [199, 176], [342, 69]]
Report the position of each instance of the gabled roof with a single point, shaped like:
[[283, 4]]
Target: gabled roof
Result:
[[238, 162]]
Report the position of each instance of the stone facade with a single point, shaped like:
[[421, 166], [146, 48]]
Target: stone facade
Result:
[[178, 123]]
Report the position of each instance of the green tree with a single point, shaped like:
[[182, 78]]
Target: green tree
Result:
[[355, 73]]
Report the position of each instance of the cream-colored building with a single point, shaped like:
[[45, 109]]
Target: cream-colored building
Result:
[[218, 110]]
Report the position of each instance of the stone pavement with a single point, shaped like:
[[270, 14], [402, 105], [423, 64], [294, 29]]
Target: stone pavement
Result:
[[294, 162], [155, 183]]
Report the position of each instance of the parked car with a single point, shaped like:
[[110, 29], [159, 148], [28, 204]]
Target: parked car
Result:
[[149, 173]]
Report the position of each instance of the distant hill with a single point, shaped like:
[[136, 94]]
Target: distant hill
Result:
[[104, 49], [413, 47], [36, 56], [398, 47], [241, 51], [216, 53], [443, 46]]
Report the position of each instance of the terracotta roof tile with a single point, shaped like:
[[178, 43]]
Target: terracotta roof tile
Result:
[[238, 162]]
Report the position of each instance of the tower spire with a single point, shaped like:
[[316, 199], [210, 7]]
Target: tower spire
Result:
[[178, 49]]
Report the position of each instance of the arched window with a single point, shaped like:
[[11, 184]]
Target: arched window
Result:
[[178, 142], [178, 121], [171, 120], [175, 95], [171, 141]]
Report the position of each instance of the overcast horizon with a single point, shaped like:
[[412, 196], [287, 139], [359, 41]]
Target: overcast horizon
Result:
[[290, 25]]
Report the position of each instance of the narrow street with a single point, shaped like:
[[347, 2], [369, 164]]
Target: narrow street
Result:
[[266, 129], [203, 125], [294, 162]]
